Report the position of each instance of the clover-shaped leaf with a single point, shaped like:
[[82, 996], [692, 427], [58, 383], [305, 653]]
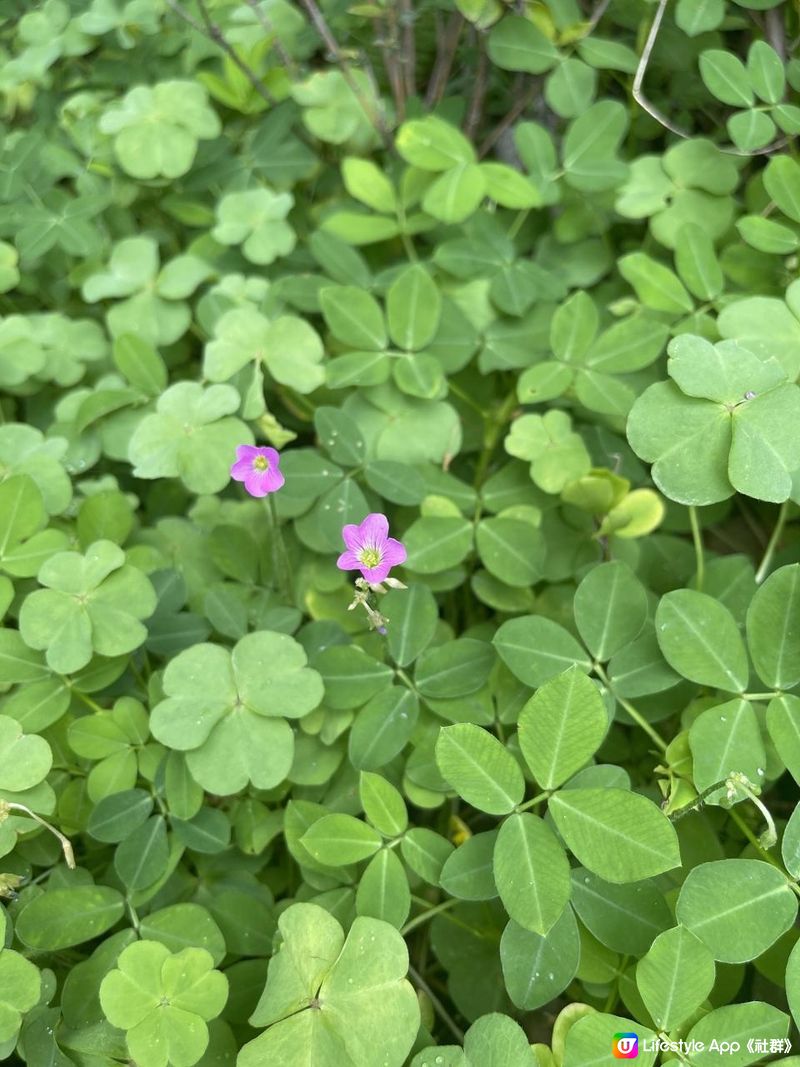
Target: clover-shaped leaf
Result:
[[91, 603], [255, 219], [149, 305], [68, 344], [20, 988], [556, 454], [25, 450], [331, 999], [163, 1001], [25, 759], [21, 355], [9, 274], [190, 436], [228, 710], [333, 112], [290, 349], [156, 128], [724, 423]]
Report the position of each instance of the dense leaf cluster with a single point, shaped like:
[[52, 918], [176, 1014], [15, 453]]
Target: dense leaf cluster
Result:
[[523, 278]]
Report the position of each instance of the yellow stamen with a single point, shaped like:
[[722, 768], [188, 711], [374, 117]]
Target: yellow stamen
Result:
[[370, 557], [261, 463]]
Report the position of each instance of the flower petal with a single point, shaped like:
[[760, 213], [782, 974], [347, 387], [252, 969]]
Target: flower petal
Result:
[[348, 561], [247, 452], [394, 552], [351, 535], [376, 574], [273, 479], [241, 469], [256, 483], [272, 457], [374, 530]]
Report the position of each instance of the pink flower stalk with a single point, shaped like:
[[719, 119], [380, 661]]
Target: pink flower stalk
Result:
[[258, 468], [370, 549]]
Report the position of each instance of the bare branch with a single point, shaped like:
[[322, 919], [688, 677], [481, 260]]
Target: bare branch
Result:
[[508, 120], [475, 111], [409, 53], [213, 32], [653, 111], [445, 54], [322, 28], [266, 23]]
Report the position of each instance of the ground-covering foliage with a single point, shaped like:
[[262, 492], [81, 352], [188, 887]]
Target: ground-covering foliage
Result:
[[521, 278]]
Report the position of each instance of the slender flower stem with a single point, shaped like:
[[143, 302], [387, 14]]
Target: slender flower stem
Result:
[[766, 562], [697, 537], [751, 837], [280, 558], [66, 845], [637, 716], [439, 1008], [697, 803], [538, 799], [437, 909]]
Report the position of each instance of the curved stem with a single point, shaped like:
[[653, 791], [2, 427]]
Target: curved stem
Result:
[[697, 538], [637, 716], [280, 558], [66, 845], [438, 1007], [772, 544], [418, 920]]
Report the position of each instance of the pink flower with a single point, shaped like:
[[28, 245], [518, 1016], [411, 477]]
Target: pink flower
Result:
[[370, 549], [258, 468]]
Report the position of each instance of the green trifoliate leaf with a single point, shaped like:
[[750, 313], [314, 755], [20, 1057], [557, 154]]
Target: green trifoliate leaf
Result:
[[413, 309], [25, 759], [256, 220], [737, 907], [700, 639], [479, 768], [91, 603], [336, 840], [25, 450], [156, 128], [20, 982], [738, 1025], [333, 998], [610, 608], [739, 406], [536, 649], [61, 918], [773, 628], [531, 871], [536, 968], [163, 1001], [228, 710], [190, 436], [556, 454], [726, 739], [621, 836], [595, 1030], [132, 273], [433, 144], [675, 977], [288, 348], [561, 727]]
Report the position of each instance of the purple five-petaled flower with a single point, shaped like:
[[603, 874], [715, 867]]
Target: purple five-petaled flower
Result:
[[258, 468], [370, 549]]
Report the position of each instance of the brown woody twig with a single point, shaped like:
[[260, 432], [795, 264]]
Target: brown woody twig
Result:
[[208, 28]]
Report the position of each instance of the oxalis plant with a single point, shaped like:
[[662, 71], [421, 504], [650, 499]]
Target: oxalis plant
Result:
[[399, 558]]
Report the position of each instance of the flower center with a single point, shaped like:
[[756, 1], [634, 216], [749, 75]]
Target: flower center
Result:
[[370, 557], [261, 463]]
